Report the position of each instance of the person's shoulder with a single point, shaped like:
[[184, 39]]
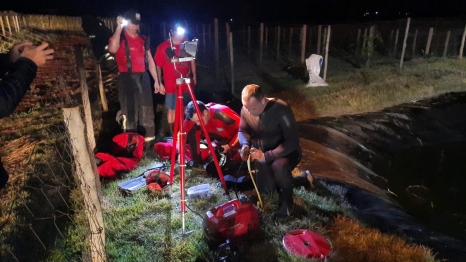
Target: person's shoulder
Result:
[[278, 102], [164, 43]]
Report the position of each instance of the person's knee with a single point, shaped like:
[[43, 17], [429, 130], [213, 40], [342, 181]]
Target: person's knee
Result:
[[280, 164]]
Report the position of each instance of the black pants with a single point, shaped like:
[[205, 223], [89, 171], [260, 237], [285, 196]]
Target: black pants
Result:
[[3, 176], [276, 176], [135, 95]]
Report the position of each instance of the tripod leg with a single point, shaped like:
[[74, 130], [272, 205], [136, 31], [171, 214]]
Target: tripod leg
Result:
[[209, 143], [174, 145]]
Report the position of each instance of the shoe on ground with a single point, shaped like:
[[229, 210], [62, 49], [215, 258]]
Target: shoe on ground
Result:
[[283, 213], [305, 180]]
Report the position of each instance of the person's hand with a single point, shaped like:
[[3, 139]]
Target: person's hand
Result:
[[225, 148], [15, 52], [119, 22], [244, 153], [194, 80], [159, 88], [38, 54], [257, 154]]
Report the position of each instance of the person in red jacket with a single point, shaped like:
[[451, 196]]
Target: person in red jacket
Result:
[[173, 70], [134, 59], [220, 122]]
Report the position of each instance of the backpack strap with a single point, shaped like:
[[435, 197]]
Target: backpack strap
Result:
[[129, 64]]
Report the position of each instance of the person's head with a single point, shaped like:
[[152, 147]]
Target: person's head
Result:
[[134, 20], [191, 112], [253, 99], [179, 31]]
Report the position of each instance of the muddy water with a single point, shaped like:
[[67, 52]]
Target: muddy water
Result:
[[404, 167]]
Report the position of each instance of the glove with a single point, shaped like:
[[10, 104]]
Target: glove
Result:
[[244, 152]]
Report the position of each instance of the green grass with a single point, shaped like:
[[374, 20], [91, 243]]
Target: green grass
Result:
[[360, 90]]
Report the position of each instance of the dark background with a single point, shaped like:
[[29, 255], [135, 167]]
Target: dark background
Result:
[[271, 11]]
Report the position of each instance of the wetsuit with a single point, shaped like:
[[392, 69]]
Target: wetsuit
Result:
[[274, 132]]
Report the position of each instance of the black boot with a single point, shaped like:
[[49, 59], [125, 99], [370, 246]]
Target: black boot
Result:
[[283, 212], [305, 180]]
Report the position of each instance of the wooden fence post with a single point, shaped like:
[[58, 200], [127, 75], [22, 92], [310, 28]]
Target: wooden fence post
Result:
[[232, 64], [217, 62], [81, 154], [396, 42], [278, 42], [460, 55], [429, 40], [357, 41], [404, 42], [103, 97], [291, 38], [364, 41], [370, 46], [8, 24], [447, 40], [85, 96], [266, 36], [249, 39], [414, 44], [326, 52], [261, 41], [324, 40], [319, 39], [3, 27], [303, 44]]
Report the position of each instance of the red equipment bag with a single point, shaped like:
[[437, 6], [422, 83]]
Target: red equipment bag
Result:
[[164, 151], [233, 221], [125, 156]]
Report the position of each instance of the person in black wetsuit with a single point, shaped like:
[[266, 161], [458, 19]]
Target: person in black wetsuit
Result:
[[268, 133], [17, 70]]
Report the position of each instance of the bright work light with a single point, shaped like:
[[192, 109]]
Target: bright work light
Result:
[[180, 30]]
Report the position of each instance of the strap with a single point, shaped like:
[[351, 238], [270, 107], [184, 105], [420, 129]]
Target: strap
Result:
[[129, 65]]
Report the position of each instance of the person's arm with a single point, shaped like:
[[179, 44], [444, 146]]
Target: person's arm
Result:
[[16, 83], [153, 71], [114, 43], [4, 64], [290, 136], [244, 136], [159, 60], [194, 72]]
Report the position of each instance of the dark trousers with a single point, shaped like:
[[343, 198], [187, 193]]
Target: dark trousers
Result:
[[3, 176], [135, 95], [276, 176]]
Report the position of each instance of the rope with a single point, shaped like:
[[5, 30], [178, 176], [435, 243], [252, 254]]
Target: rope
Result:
[[254, 182]]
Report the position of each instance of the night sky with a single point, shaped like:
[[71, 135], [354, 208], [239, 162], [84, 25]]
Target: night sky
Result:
[[271, 11]]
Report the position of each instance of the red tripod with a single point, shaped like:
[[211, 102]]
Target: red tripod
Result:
[[179, 129]]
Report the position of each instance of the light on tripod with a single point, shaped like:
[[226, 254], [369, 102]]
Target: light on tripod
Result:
[[180, 30]]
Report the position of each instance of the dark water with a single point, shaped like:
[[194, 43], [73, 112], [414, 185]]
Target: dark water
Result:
[[417, 152], [430, 183]]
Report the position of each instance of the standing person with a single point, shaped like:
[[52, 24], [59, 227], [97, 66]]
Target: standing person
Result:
[[21, 64], [268, 134], [173, 70], [221, 124], [133, 57]]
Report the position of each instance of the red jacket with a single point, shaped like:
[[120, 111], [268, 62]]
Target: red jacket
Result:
[[169, 73], [222, 127], [136, 50]]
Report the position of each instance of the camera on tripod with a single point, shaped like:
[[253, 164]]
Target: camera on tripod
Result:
[[188, 49]]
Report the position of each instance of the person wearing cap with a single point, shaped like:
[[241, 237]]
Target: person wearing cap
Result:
[[268, 133], [134, 59], [173, 70], [221, 124]]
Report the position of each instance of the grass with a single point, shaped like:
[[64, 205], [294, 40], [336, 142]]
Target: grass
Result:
[[361, 90]]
